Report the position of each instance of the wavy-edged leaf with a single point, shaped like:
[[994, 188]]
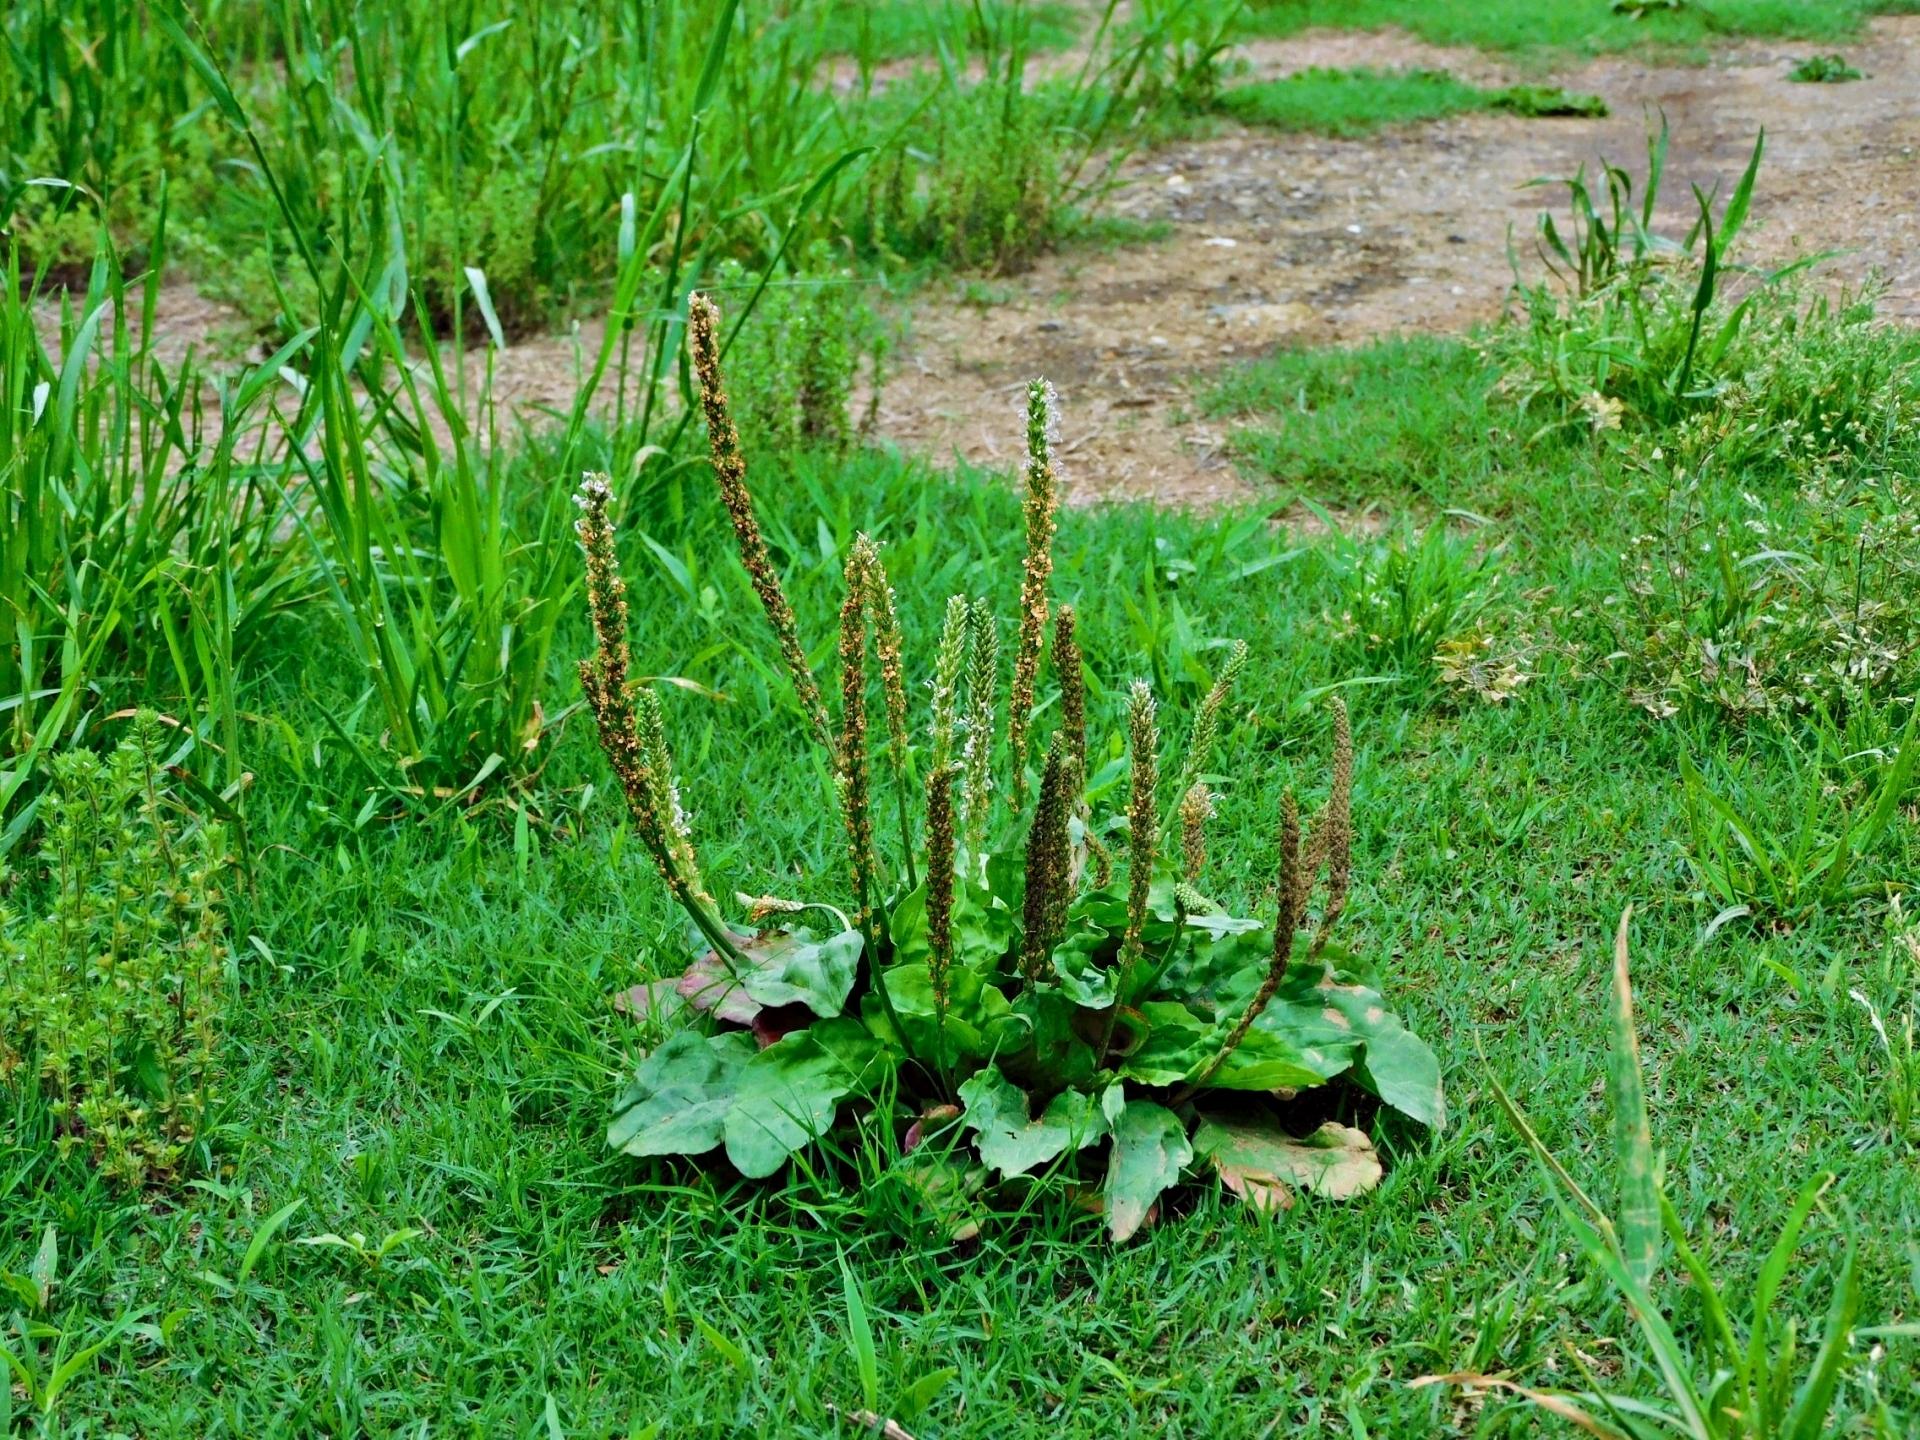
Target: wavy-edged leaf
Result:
[[788, 1093], [1150, 1148], [678, 1099], [1010, 1141], [797, 969]]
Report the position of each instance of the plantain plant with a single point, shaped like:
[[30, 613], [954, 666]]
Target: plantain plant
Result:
[[1009, 992]]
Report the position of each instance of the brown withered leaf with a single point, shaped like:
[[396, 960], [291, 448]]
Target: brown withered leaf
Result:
[[1263, 1165]]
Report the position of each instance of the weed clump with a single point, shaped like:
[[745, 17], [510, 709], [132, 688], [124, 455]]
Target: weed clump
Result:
[[1824, 70], [111, 998], [999, 961]]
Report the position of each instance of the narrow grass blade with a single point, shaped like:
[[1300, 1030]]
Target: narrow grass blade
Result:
[[1632, 1135], [263, 1237], [861, 1334], [1808, 1418]]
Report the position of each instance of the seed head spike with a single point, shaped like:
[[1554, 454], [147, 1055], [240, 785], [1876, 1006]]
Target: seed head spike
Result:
[[1042, 502], [730, 470]]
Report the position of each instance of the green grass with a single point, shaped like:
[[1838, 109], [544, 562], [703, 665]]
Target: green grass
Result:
[[1355, 102], [1585, 26], [421, 1038], [897, 29]]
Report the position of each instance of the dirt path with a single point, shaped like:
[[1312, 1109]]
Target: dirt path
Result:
[[1301, 240]]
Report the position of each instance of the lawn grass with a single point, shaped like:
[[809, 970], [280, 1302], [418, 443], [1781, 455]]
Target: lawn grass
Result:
[[422, 1039], [1356, 102], [1579, 26]]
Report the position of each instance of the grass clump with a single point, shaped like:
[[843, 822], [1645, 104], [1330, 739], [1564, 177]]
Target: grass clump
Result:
[[112, 997], [1737, 1382], [1349, 102], [1579, 26], [1824, 70]]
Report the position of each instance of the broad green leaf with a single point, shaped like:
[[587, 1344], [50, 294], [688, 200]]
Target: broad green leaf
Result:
[[1340, 1015], [1149, 1150], [1262, 1164], [976, 1023], [1012, 1143], [1177, 1041], [983, 929], [1083, 979], [1052, 1054], [1265, 1061], [1640, 1223], [787, 1094], [678, 1099], [1402, 1070], [816, 973]]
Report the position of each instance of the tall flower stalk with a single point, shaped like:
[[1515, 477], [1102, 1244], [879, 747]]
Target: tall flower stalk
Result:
[[1295, 883], [854, 771], [1040, 507], [983, 679], [949, 677], [636, 751], [1330, 844], [1049, 863], [1073, 688], [887, 646], [1206, 723], [1143, 821], [940, 858], [730, 470]]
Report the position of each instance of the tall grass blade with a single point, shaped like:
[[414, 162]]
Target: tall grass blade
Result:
[[1640, 1221]]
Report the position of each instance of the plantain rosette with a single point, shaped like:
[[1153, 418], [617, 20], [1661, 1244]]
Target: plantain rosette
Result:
[[1096, 1053]]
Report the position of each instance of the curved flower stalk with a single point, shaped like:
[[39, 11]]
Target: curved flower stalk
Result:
[[636, 750], [730, 470], [887, 646], [949, 675], [1041, 504], [854, 772], [1073, 688], [1196, 808], [1206, 723], [1331, 844]]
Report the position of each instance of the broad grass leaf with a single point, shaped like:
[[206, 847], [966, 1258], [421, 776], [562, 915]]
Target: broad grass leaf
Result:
[[1012, 1143], [798, 969], [1150, 1148], [788, 1093], [678, 1099], [1262, 1164]]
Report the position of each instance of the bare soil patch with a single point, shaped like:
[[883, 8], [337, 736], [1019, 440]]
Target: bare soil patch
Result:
[[1293, 240], [1297, 240]]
